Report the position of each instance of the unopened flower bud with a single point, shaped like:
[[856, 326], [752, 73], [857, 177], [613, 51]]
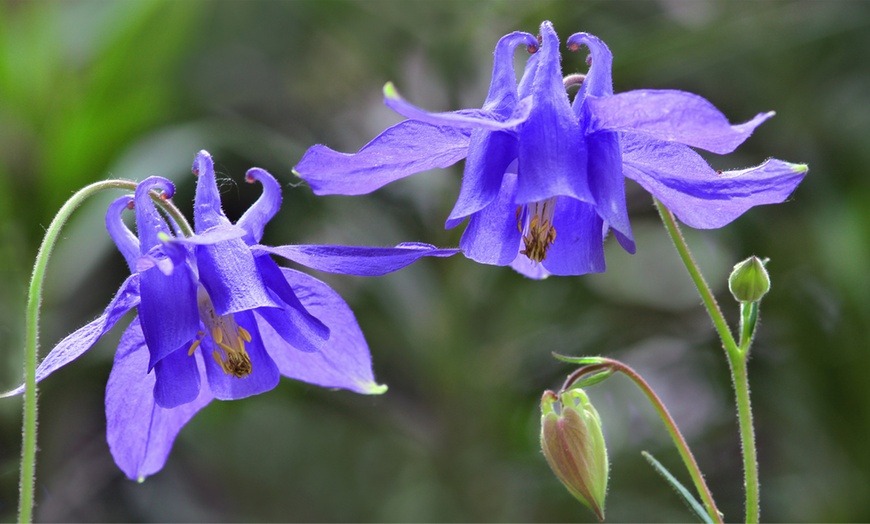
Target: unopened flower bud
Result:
[[749, 281], [573, 443]]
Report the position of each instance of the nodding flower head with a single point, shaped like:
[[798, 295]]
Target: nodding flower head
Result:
[[217, 317], [557, 166]]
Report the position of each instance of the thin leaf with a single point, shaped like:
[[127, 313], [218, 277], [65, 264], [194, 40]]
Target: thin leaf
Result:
[[592, 379], [583, 361], [680, 489]]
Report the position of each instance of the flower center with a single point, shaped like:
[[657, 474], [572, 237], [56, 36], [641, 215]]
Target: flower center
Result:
[[229, 338], [535, 222]]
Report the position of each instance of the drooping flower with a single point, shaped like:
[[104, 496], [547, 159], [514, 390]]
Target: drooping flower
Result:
[[543, 181], [218, 318]]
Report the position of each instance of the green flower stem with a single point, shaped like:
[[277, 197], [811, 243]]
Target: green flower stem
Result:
[[736, 359], [747, 437], [670, 424], [31, 341]]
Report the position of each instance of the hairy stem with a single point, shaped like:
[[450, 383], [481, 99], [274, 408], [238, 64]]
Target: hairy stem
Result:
[[31, 341], [736, 356], [670, 425]]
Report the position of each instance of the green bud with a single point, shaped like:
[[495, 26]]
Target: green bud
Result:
[[573, 443], [749, 281]]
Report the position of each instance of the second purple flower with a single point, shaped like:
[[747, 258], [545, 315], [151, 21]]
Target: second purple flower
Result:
[[544, 177]]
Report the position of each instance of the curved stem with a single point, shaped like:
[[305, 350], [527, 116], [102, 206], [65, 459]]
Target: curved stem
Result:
[[31, 340], [670, 425], [706, 294], [736, 356]]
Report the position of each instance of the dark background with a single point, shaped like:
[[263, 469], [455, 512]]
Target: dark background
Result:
[[93, 90]]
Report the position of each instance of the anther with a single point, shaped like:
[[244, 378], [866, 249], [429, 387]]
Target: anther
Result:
[[539, 233], [193, 347], [229, 338]]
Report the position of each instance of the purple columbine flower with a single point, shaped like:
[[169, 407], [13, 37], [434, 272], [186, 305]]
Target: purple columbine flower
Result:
[[543, 181], [218, 318]]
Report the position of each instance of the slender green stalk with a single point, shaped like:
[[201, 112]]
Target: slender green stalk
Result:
[[31, 342], [736, 356], [747, 437], [706, 294], [670, 425]]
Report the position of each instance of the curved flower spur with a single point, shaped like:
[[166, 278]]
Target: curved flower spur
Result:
[[218, 318], [543, 180]]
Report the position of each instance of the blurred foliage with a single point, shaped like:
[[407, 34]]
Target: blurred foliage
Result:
[[96, 89]]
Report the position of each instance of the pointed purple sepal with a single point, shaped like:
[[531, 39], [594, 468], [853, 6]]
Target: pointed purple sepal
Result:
[[671, 116], [356, 260], [75, 344], [402, 150], [698, 195], [140, 433], [344, 361]]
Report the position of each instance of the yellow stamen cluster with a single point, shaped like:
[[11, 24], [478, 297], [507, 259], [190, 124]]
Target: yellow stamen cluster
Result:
[[229, 339], [539, 233], [232, 357]]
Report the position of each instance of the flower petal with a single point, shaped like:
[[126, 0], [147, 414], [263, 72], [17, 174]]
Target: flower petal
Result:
[[579, 246], [608, 184], [149, 223], [552, 155], [402, 150], [124, 239], [229, 274], [673, 116], [177, 379], [74, 345], [296, 325], [491, 152], [489, 155], [502, 96], [356, 260], [344, 361], [168, 311], [263, 377], [492, 236], [207, 210], [699, 196], [599, 79], [604, 166], [139, 432], [226, 268], [261, 212], [464, 119], [526, 267]]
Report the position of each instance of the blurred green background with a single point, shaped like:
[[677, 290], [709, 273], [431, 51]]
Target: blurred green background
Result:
[[97, 89]]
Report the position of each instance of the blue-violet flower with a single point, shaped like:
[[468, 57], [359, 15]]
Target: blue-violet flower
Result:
[[217, 317], [538, 164]]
